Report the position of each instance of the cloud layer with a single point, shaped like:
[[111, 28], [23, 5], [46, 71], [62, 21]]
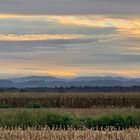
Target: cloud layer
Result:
[[69, 37], [70, 7]]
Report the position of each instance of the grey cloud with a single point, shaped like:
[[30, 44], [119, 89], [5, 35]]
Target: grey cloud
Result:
[[77, 54], [71, 7], [33, 46], [85, 59], [43, 26]]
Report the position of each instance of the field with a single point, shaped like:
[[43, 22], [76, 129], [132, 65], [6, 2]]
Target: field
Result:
[[69, 100], [45, 134], [72, 116]]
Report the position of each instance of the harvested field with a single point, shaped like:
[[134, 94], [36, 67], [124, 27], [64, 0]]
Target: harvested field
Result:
[[69, 100], [45, 134]]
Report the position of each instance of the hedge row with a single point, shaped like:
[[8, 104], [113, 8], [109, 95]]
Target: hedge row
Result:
[[27, 118]]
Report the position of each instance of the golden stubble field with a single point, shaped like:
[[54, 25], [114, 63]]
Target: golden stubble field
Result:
[[45, 134]]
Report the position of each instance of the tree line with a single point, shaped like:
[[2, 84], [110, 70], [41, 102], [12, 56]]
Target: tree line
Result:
[[74, 89]]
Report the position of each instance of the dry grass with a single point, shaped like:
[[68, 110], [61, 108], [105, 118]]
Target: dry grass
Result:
[[45, 134], [71, 100]]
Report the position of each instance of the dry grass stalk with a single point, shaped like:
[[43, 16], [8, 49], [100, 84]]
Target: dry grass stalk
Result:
[[46, 134]]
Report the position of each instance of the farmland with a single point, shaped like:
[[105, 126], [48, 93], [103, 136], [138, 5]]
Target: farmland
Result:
[[73, 116], [69, 100], [46, 134]]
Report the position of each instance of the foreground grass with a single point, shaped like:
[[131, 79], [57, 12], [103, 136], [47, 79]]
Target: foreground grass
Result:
[[28, 118], [46, 134]]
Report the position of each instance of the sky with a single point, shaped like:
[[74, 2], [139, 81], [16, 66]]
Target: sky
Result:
[[69, 38]]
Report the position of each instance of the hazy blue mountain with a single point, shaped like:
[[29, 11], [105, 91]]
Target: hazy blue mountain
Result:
[[37, 78], [100, 83], [30, 84], [49, 81], [100, 78], [136, 79], [6, 83]]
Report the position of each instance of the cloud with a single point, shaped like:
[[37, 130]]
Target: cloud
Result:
[[69, 37], [18, 69], [128, 27], [60, 25], [88, 21], [53, 42], [39, 37], [70, 7], [55, 25]]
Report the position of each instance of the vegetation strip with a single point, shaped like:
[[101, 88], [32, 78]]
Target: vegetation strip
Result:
[[69, 100], [27, 118]]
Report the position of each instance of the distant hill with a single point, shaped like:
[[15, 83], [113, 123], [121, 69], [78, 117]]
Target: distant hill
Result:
[[49, 81], [6, 83], [37, 78], [30, 84], [100, 78]]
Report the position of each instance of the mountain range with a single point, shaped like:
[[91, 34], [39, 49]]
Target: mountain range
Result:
[[49, 81]]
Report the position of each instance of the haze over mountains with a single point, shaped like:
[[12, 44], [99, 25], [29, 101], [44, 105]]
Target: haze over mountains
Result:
[[49, 81]]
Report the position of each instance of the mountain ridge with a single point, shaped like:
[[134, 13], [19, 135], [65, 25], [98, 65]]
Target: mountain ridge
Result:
[[51, 81]]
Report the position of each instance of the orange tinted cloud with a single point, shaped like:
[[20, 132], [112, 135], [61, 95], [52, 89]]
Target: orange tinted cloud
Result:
[[124, 26], [62, 73], [131, 29], [3, 16], [37, 37], [90, 21], [38, 68]]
